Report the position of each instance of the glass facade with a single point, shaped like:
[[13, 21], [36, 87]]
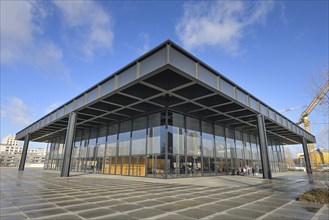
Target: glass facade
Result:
[[165, 144]]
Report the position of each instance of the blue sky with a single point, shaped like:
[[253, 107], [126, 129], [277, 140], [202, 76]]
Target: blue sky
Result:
[[53, 50]]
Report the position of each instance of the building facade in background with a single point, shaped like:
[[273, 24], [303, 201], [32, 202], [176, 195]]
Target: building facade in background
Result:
[[9, 140], [166, 114], [10, 154], [321, 158]]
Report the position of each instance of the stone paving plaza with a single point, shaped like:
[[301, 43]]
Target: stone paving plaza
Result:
[[41, 194]]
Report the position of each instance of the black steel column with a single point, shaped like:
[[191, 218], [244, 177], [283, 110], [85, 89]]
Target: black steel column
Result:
[[166, 146], [68, 144], [307, 157], [267, 174], [24, 153]]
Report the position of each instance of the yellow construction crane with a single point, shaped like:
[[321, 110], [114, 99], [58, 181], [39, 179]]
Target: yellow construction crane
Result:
[[304, 119]]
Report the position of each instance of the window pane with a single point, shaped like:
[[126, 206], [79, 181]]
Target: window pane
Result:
[[193, 136], [177, 134], [139, 136], [238, 145], [207, 139], [124, 138], [156, 134], [112, 141]]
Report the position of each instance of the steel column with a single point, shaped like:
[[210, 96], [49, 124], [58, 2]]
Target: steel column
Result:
[[307, 157], [68, 144], [166, 146], [267, 174], [24, 153]]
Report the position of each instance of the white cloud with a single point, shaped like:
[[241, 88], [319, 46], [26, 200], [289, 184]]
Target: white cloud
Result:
[[145, 39], [17, 112], [52, 107], [219, 23], [90, 23], [22, 38]]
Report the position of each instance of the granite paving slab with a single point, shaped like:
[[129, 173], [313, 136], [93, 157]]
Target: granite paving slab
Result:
[[42, 194], [96, 213], [145, 213], [45, 212]]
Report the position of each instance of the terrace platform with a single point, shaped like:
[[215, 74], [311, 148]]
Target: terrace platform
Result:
[[42, 194]]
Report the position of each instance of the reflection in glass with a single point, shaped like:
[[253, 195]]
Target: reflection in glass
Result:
[[231, 153], [138, 144], [176, 142], [221, 159], [208, 148], [193, 147], [100, 149], [111, 149], [156, 145]]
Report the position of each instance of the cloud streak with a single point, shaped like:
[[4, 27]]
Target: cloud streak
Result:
[[17, 112], [219, 23], [90, 24], [22, 38]]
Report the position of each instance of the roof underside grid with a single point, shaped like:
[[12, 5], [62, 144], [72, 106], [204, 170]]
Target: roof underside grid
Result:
[[167, 77], [167, 89]]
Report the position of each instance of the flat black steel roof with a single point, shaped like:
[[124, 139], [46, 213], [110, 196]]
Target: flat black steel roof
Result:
[[167, 77]]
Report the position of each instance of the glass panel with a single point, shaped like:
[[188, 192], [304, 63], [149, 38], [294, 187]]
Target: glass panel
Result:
[[231, 153], [124, 138], [76, 152], [111, 149], [193, 148], [176, 142], [238, 145], [207, 139], [156, 145], [238, 161], [208, 147], [255, 155], [91, 152], [83, 152], [137, 166], [139, 137], [221, 162], [246, 147], [101, 142], [154, 135]]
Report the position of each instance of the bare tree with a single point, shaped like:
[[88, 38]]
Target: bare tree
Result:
[[289, 158], [315, 83]]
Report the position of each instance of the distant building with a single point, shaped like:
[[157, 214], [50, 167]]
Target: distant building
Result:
[[321, 158], [10, 154], [9, 140]]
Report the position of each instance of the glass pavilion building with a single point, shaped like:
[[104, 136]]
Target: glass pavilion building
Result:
[[167, 115]]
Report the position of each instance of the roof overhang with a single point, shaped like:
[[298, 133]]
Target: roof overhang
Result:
[[167, 77]]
